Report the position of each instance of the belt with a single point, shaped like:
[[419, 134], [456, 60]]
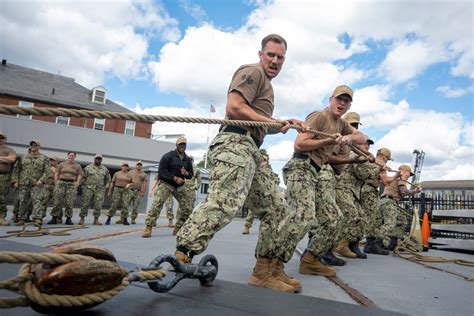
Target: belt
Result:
[[67, 180], [304, 157], [242, 131]]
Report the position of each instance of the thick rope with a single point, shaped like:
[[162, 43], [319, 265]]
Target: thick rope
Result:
[[23, 282], [41, 231], [10, 110]]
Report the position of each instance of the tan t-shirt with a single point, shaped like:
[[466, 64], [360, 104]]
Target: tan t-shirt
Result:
[[340, 151], [323, 121], [256, 88], [138, 177], [121, 179], [50, 179], [6, 151], [393, 189], [69, 170]]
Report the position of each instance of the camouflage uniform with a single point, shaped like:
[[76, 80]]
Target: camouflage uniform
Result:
[[64, 192], [169, 207], [394, 221], [301, 179], [191, 185], [325, 234], [4, 188], [249, 219], [120, 195], [236, 180], [29, 170], [134, 200], [49, 191], [369, 198], [348, 197], [94, 183]]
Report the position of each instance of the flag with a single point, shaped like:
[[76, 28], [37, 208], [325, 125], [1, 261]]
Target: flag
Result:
[[213, 109]]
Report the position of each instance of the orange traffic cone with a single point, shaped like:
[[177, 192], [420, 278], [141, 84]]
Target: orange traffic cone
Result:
[[425, 232]]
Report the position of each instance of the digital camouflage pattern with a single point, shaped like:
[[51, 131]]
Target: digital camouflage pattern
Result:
[[163, 192], [95, 182], [119, 195], [4, 187], [191, 185], [249, 219], [27, 172], [65, 193], [348, 197], [48, 195], [169, 207], [134, 202], [301, 180], [236, 181], [394, 221], [325, 234]]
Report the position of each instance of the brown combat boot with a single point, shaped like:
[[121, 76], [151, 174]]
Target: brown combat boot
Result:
[[4, 222], [38, 221], [182, 257], [170, 223], [262, 277], [120, 221], [343, 249], [246, 230], [81, 221], [147, 232], [133, 221], [310, 264], [20, 223], [96, 221], [175, 231], [279, 273]]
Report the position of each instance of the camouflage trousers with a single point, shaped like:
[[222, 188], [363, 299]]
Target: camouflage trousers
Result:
[[48, 194], [394, 221], [369, 197], [249, 219], [235, 181], [354, 221], [4, 188], [96, 193], [119, 195], [16, 202], [169, 207], [64, 192], [182, 214], [301, 180], [30, 196], [324, 234], [134, 202], [164, 192]]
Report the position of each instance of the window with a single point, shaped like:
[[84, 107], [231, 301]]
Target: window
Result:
[[130, 128], [99, 124], [25, 104], [63, 120], [98, 95]]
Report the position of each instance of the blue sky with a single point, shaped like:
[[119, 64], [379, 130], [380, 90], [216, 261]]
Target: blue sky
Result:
[[411, 65]]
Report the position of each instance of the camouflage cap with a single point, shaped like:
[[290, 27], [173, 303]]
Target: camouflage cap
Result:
[[352, 117], [98, 156], [340, 90], [406, 168], [2, 134], [37, 142], [181, 140], [386, 152]]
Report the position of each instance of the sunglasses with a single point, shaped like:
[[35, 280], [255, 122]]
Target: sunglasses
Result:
[[344, 99]]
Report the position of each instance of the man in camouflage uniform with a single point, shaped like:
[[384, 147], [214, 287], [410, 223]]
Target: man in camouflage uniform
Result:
[[7, 159], [191, 186], [174, 169], [168, 202], [236, 179], [95, 182], [250, 214], [121, 182], [67, 181], [29, 175], [311, 183], [136, 192], [49, 186]]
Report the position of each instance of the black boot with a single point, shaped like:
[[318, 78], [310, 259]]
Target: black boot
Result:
[[373, 246], [332, 260], [393, 243], [53, 221], [68, 221], [354, 247], [125, 222], [107, 222], [28, 219]]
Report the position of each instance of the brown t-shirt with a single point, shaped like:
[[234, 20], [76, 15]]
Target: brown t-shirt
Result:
[[69, 170], [324, 122], [340, 151], [50, 179], [393, 189], [121, 179], [256, 88], [138, 177], [6, 151]]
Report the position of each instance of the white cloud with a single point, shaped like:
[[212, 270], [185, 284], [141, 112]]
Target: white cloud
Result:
[[449, 92], [83, 39], [193, 10]]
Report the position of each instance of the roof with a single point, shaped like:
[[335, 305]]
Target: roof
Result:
[[448, 185], [28, 83]]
